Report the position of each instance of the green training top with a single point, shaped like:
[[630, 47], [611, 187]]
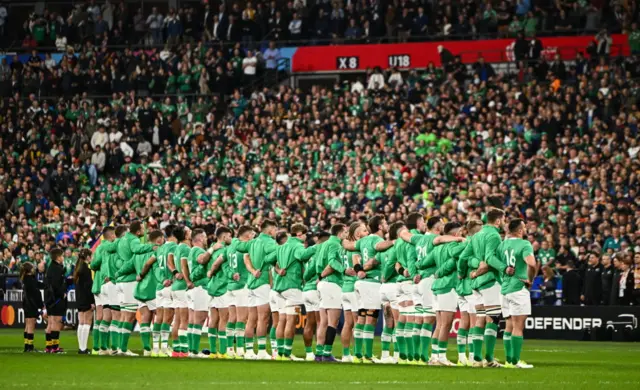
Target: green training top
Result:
[[443, 257], [367, 248], [197, 271], [146, 288], [482, 247], [329, 254], [389, 274], [217, 285], [424, 244], [235, 261], [160, 268], [348, 282], [290, 256], [310, 275], [259, 248], [181, 252], [512, 252]]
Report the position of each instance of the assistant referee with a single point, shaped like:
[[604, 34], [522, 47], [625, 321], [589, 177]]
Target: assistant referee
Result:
[[55, 297]]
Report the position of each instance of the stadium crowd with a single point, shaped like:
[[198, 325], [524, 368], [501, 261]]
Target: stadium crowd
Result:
[[87, 142], [121, 22]]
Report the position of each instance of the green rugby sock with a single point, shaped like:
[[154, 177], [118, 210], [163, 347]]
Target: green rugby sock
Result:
[[402, 344], [125, 329], [506, 340], [328, 350], [516, 348], [104, 335], [280, 346], [155, 334], [213, 338], [408, 339], [145, 336], [434, 344], [319, 349], [386, 338], [262, 343], [288, 346], [240, 334], [197, 337], [231, 330], [308, 349], [222, 337], [165, 333], [368, 340], [357, 335], [183, 337], [96, 335], [190, 338], [346, 351], [114, 332], [490, 337], [273, 339], [442, 348], [415, 338], [477, 344], [461, 340], [425, 339]]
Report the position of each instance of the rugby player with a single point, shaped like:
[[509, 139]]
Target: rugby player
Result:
[[164, 304], [276, 304], [389, 297], [258, 282], [219, 275], [177, 263], [103, 311], [311, 298], [353, 323]]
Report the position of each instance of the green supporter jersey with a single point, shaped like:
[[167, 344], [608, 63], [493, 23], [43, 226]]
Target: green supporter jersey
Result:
[[424, 244], [389, 259], [444, 257], [367, 248], [99, 264], [482, 247], [145, 288], [545, 256], [348, 282], [512, 252], [290, 256], [217, 285], [328, 254], [197, 271], [407, 256], [259, 250], [310, 276], [235, 260], [181, 252], [463, 287], [160, 268]]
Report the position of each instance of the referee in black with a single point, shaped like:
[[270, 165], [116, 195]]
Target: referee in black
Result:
[[55, 298]]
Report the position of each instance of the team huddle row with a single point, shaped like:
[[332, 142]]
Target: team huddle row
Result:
[[415, 274]]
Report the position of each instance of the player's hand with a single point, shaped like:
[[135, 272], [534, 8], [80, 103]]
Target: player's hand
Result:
[[483, 266], [138, 278], [209, 274], [167, 283], [473, 275], [459, 239], [510, 271], [362, 275], [406, 273], [45, 316], [236, 276], [282, 272], [256, 274], [179, 276], [106, 280], [459, 277], [350, 272], [416, 279], [155, 247], [190, 285], [217, 246], [527, 283]]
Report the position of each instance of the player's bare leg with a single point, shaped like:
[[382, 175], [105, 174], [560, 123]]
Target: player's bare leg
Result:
[[307, 335], [433, 340], [165, 331], [146, 316], [333, 317], [346, 335], [104, 331], [461, 340], [493, 314], [276, 334], [517, 339], [478, 335], [262, 324], [445, 320], [387, 334], [96, 330]]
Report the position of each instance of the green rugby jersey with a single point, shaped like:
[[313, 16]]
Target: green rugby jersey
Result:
[[329, 254], [111, 263], [127, 272], [181, 252], [512, 252], [463, 287], [482, 247], [145, 288], [217, 285], [367, 248], [348, 282], [290, 256], [197, 271], [424, 244], [443, 257], [406, 255], [99, 264], [160, 268], [310, 276], [235, 260], [389, 274], [259, 249]]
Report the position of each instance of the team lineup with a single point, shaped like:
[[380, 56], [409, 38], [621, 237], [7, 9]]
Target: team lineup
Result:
[[251, 286]]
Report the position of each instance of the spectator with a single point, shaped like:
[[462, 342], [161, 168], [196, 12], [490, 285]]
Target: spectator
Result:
[[98, 159], [607, 279], [626, 283], [249, 68], [173, 26], [100, 138], [155, 24], [295, 27], [634, 38], [592, 287], [604, 42], [548, 286], [65, 237]]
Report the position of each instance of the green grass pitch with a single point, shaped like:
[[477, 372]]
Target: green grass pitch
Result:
[[558, 364]]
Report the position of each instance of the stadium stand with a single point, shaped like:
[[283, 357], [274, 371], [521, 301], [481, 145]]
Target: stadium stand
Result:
[[187, 115]]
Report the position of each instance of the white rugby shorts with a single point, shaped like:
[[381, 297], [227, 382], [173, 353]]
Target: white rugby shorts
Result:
[[311, 300], [368, 294], [517, 303], [259, 296], [330, 295], [389, 295], [488, 296]]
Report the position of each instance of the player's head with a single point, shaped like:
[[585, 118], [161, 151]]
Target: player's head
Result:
[[199, 238], [434, 224], [121, 230], [299, 231], [322, 237], [516, 227], [473, 226], [357, 230], [269, 227], [495, 217], [415, 221], [136, 228], [339, 230], [282, 237], [245, 232], [179, 233], [224, 234], [109, 233], [378, 224], [156, 237], [394, 229], [57, 255], [452, 228], [168, 231]]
